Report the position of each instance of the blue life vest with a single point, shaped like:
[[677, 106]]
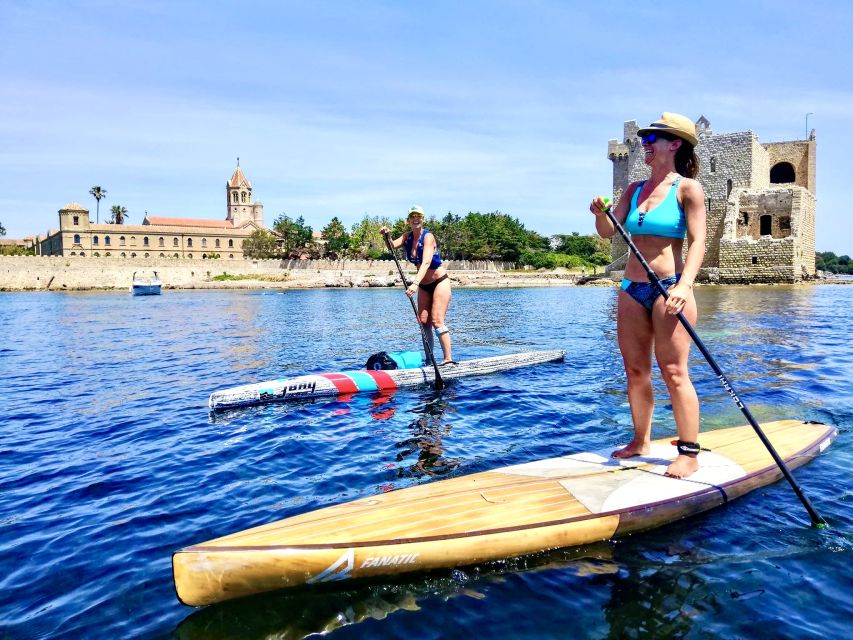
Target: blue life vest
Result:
[[419, 256]]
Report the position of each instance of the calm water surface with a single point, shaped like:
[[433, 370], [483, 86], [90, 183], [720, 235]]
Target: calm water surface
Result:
[[109, 462]]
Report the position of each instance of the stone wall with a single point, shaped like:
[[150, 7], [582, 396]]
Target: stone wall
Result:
[[57, 273]]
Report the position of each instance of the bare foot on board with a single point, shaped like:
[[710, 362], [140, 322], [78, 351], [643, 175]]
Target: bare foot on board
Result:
[[633, 450], [683, 467]]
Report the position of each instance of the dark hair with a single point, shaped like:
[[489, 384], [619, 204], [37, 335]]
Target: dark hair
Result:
[[686, 162]]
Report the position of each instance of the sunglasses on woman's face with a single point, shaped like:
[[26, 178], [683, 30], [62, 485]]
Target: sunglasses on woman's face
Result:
[[654, 137]]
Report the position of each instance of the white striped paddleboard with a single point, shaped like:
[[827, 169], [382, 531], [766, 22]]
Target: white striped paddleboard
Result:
[[512, 511], [358, 381]]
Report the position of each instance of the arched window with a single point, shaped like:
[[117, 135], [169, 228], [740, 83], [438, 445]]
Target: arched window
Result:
[[107, 240], [231, 255], [82, 255], [204, 242], [121, 241], [728, 187], [783, 173], [146, 254], [76, 238], [107, 254], [145, 241], [242, 196], [123, 254], [217, 243], [234, 197], [162, 241], [175, 256], [133, 255], [73, 253], [95, 240], [230, 244], [132, 241], [96, 254], [162, 255], [189, 242], [713, 164], [175, 243], [766, 224], [190, 256]]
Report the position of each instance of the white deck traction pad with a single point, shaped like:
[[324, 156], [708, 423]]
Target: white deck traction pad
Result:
[[604, 484]]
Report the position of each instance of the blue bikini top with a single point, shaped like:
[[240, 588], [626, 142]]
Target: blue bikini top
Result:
[[436, 258], [666, 220]]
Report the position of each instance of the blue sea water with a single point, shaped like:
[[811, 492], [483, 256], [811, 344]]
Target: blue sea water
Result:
[[109, 462]]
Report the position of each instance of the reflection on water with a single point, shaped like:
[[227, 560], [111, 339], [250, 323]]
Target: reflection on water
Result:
[[308, 611], [428, 431]]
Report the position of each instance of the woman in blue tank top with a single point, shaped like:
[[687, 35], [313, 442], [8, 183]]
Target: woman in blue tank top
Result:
[[431, 282], [659, 213]]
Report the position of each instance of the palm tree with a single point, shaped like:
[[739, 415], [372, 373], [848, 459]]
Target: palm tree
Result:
[[119, 214], [98, 193]]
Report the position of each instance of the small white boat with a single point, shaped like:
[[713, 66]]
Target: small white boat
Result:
[[146, 285]]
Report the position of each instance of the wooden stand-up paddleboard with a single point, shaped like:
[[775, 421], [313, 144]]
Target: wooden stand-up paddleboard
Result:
[[526, 508], [347, 382]]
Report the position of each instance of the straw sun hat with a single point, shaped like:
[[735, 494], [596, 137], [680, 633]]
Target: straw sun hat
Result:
[[674, 124]]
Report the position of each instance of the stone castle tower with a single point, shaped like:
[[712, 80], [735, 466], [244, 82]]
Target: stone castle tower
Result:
[[760, 201], [241, 209]]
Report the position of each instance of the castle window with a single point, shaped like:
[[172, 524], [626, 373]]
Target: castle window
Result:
[[123, 254], [242, 196], [76, 238], [744, 218], [82, 255], [146, 254], [231, 255], [754, 259], [107, 241], [95, 240], [189, 255], [107, 254], [782, 173], [96, 254], [189, 242], [121, 241], [162, 242], [713, 164], [76, 220], [766, 224], [175, 256], [204, 242], [217, 243], [174, 242], [728, 187], [234, 197], [162, 255], [132, 241], [145, 241], [784, 223], [133, 255], [230, 244]]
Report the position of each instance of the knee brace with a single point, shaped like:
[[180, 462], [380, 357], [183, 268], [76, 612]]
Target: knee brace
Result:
[[440, 331]]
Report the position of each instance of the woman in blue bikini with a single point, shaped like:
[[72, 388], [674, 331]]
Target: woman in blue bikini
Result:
[[431, 282], [659, 213]]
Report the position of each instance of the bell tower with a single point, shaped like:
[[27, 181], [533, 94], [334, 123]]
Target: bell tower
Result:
[[241, 209]]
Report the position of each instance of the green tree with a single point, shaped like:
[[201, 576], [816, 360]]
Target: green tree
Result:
[[119, 215], [2, 229], [366, 241], [337, 239], [260, 244], [98, 193], [295, 234]]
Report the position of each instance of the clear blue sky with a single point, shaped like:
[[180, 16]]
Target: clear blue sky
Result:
[[342, 108]]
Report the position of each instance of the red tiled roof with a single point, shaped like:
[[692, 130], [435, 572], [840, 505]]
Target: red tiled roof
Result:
[[238, 178], [190, 222]]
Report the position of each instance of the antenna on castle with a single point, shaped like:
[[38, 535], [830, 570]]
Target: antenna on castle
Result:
[[238, 157], [807, 124]]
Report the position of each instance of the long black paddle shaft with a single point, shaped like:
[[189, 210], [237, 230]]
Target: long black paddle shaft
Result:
[[816, 519], [439, 383]]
